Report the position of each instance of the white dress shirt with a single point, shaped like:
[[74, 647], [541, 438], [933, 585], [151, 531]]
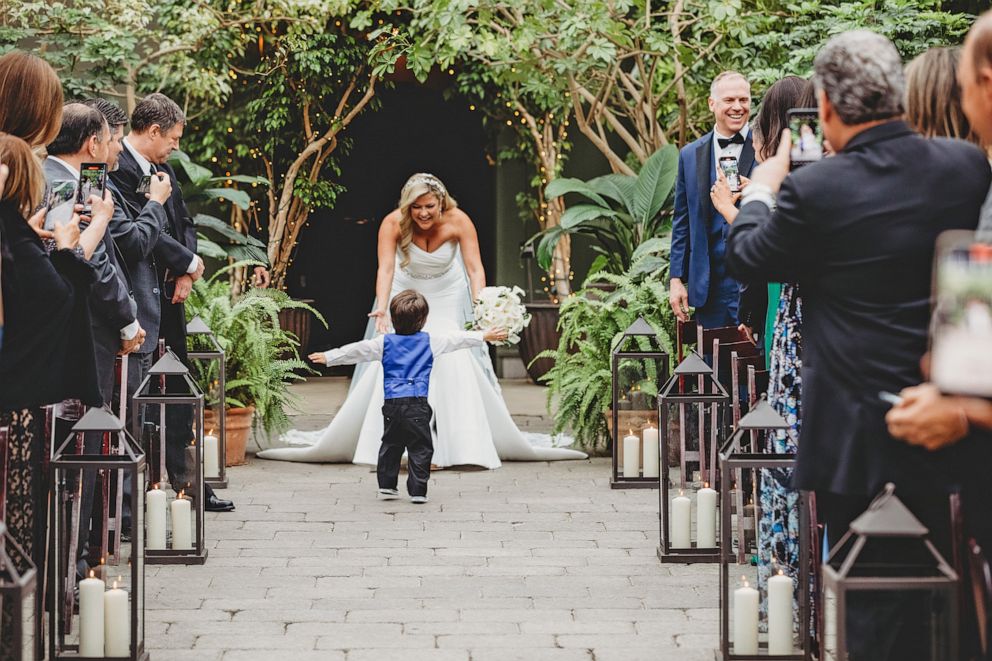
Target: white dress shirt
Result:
[[371, 350], [730, 150], [130, 331]]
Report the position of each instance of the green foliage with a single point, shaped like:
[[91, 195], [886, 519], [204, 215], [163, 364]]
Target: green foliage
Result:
[[262, 359], [591, 323], [622, 211]]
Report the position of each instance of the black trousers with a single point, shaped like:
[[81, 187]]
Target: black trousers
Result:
[[406, 426]]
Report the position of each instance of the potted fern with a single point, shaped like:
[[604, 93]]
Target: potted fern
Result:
[[580, 381], [262, 358]]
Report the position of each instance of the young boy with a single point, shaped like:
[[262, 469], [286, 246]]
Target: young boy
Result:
[[407, 358]]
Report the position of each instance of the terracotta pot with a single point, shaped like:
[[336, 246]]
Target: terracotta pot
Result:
[[238, 428], [541, 334]]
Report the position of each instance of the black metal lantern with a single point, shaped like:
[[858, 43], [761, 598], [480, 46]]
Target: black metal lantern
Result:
[[101, 615], [214, 446], [780, 631], [180, 540], [639, 365], [18, 600], [693, 413], [886, 560]]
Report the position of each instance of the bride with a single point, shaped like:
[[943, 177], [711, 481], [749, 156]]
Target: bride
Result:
[[430, 245]]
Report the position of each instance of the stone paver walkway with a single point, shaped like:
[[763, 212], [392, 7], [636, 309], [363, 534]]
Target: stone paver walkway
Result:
[[533, 561]]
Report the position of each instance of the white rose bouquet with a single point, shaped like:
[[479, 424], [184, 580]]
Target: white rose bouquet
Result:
[[501, 307]]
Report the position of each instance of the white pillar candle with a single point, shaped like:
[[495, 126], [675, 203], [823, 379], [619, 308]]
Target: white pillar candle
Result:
[[182, 523], [651, 467], [91, 617], [745, 620], [155, 518], [680, 523], [706, 518], [780, 614], [117, 622], [211, 460], [631, 456]]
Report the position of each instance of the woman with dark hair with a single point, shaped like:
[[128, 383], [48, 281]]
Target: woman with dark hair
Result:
[[933, 97]]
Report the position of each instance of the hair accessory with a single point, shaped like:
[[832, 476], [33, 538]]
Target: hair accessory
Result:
[[428, 180]]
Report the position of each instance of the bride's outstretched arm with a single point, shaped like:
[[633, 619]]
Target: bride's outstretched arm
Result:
[[389, 235], [468, 241]]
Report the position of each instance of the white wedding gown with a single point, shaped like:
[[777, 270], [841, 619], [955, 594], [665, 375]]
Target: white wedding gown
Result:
[[472, 422]]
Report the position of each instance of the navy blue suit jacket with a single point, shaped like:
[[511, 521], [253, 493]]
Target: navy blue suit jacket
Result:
[[694, 213]]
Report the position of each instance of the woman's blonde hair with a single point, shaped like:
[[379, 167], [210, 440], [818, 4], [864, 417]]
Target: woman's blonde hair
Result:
[[30, 98], [416, 186], [25, 185], [933, 98]]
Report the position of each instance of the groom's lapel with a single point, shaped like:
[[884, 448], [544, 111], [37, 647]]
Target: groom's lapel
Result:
[[704, 172], [746, 163]]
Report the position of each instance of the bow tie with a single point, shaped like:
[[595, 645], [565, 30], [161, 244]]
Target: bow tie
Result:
[[736, 139]]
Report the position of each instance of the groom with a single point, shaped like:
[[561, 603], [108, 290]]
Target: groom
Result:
[[699, 277]]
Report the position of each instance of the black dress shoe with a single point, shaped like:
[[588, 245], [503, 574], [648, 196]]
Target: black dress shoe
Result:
[[215, 504]]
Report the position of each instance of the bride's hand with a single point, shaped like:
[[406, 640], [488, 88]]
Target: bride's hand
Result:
[[381, 321]]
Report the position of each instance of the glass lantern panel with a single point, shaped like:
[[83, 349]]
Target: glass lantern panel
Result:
[[636, 435]]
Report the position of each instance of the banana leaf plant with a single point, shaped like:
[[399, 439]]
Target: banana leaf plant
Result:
[[620, 212]]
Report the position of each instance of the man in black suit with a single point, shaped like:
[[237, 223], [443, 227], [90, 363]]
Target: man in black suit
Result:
[[699, 277], [857, 232], [157, 125]]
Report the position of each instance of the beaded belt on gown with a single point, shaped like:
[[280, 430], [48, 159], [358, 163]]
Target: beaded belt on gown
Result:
[[427, 276]]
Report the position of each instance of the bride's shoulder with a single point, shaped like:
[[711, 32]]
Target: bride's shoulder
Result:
[[391, 223], [459, 219]]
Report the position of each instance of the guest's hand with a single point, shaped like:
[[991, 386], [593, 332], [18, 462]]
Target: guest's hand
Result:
[[129, 346], [102, 210], [200, 266], [495, 335], [774, 170], [318, 357], [927, 418], [724, 200], [749, 332], [66, 236], [678, 298], [160, 188], [262, 278], [184, 285], [745, 182], [37, 222], [381, 321]]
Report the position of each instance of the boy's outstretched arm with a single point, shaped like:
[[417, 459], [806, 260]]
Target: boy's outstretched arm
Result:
[[365, 351], [441, 344]]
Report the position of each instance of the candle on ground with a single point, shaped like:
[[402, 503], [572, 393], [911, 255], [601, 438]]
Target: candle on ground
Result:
[[91, 617], [680, 523], [117, 629], [155, 518], [182, 523], [631, 455], [211, 460], [780, 614], [651, 467], [706, 517], [745, 620]]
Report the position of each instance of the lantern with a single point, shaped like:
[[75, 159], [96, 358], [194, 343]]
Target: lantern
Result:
[[18, 601], [102, 614], [211, 353], [639, 365], [887, 560], [693, 408], [178, 537], [780, 630]]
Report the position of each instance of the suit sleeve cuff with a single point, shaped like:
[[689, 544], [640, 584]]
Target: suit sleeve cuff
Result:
[[130, 331]]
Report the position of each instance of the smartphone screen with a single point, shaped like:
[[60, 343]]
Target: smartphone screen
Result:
[[807, 136], [144, 184], [92, 181], [729, 166], [60, 198]]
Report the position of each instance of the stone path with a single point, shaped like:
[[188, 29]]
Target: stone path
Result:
[[533, 561]]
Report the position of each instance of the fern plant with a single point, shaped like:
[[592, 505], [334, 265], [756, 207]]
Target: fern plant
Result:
[[591, 323], [262, 359]]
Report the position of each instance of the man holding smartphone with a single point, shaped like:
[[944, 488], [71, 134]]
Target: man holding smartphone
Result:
[[699, 277]]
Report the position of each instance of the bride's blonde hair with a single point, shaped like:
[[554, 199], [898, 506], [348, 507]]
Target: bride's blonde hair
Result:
[[417, 185]]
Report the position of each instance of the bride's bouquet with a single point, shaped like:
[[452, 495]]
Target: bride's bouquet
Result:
[[501, 307]]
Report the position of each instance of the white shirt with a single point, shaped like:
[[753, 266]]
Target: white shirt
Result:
[[371, 350], [146, 169], [730, 150]]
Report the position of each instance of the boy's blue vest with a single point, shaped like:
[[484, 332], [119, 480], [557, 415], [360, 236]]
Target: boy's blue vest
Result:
[[406, 363]]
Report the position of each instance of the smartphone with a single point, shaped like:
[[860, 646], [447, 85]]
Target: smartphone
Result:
[[890, 398], [729, 166], [144, 185], [807, 136], [60, 198], [92, 181]]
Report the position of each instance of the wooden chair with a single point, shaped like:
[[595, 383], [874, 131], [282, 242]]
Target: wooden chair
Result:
[[739, 364], [981, 588], [685, 332]]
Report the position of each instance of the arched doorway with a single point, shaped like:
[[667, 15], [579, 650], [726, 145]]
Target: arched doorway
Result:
[[414, 130]]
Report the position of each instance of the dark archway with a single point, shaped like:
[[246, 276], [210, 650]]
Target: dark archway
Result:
[[414, 130]]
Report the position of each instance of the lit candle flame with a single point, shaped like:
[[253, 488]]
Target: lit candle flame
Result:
[[115, 585], [779, 572], [744, 580], [92, 574], [181, 495], [706, 485], [211, 432]]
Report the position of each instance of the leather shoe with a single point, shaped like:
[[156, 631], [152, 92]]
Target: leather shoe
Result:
[[215, 504]]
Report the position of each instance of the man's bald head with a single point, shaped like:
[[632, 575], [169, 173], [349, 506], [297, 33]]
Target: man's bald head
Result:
[[975, 77]]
